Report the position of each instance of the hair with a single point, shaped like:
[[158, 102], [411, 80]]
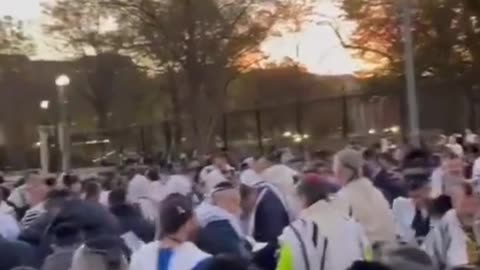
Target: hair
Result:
[[92, 189], [313, 189], [56, 197], [473, 149], [175, 211], [153, 175], [322, 155], [275, 156], [388, 158], [69, 180], [246, 191], [467, 189], [67, 234], [223, 186], [369, 154], [361, 265], [4, 193], [223, 191], [415, 158], [51, 182], [117, 197]]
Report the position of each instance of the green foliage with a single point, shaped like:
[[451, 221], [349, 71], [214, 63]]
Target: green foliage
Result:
[[13, 39], [446, 35]]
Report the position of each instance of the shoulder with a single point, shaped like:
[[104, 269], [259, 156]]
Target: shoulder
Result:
[[145, 254], [402, 202]]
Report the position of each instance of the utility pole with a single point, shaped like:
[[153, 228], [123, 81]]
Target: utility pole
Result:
[[63, 126], [412, 102]]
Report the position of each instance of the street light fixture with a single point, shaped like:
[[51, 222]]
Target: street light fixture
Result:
[[44, 104], [287, 134], [62, 80]]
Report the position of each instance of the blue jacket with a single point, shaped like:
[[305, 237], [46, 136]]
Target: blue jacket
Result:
[[220, 232], [219, 237], [15, 253], [271, 218]]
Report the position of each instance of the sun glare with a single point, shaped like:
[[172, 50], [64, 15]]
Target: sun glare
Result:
[[316, 46]]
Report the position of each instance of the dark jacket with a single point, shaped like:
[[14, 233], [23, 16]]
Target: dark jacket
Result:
[[92, 219], [219, 237], [271, 218], [15, 253], [389, 184], [131, 220]]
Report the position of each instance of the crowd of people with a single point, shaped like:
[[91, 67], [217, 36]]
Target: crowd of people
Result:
[[360, 208]]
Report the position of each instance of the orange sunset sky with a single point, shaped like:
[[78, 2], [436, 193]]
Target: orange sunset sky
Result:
[[319, 50]]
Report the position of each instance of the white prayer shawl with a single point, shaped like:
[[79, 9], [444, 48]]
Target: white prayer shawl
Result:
[[6, 209], [179, 184], [9, 228], [139, 187], [437, 182], [104, 197], [139, 193], [282, 177], [339, 237], [250, 178], [207, 213], [447, 243], [404, 213], [185, 257], [369, 207], [158, 191], [264, 187]]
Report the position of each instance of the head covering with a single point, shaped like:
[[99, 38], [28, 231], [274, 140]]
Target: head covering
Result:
[[139, 187], [175, 211], [178, 184], [416, 169], [351, 159], [250, 178], [214, 178], [407, 257]]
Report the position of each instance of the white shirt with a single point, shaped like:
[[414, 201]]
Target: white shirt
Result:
[[8, 227], [404, 211], [438, 186], [447, 244], [186, 257]]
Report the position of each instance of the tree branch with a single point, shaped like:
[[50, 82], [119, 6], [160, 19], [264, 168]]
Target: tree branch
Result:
[[358, 47]]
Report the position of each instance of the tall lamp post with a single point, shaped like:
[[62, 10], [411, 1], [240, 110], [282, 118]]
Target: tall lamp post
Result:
[[62, 82], [410, 73], [44, 132]]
